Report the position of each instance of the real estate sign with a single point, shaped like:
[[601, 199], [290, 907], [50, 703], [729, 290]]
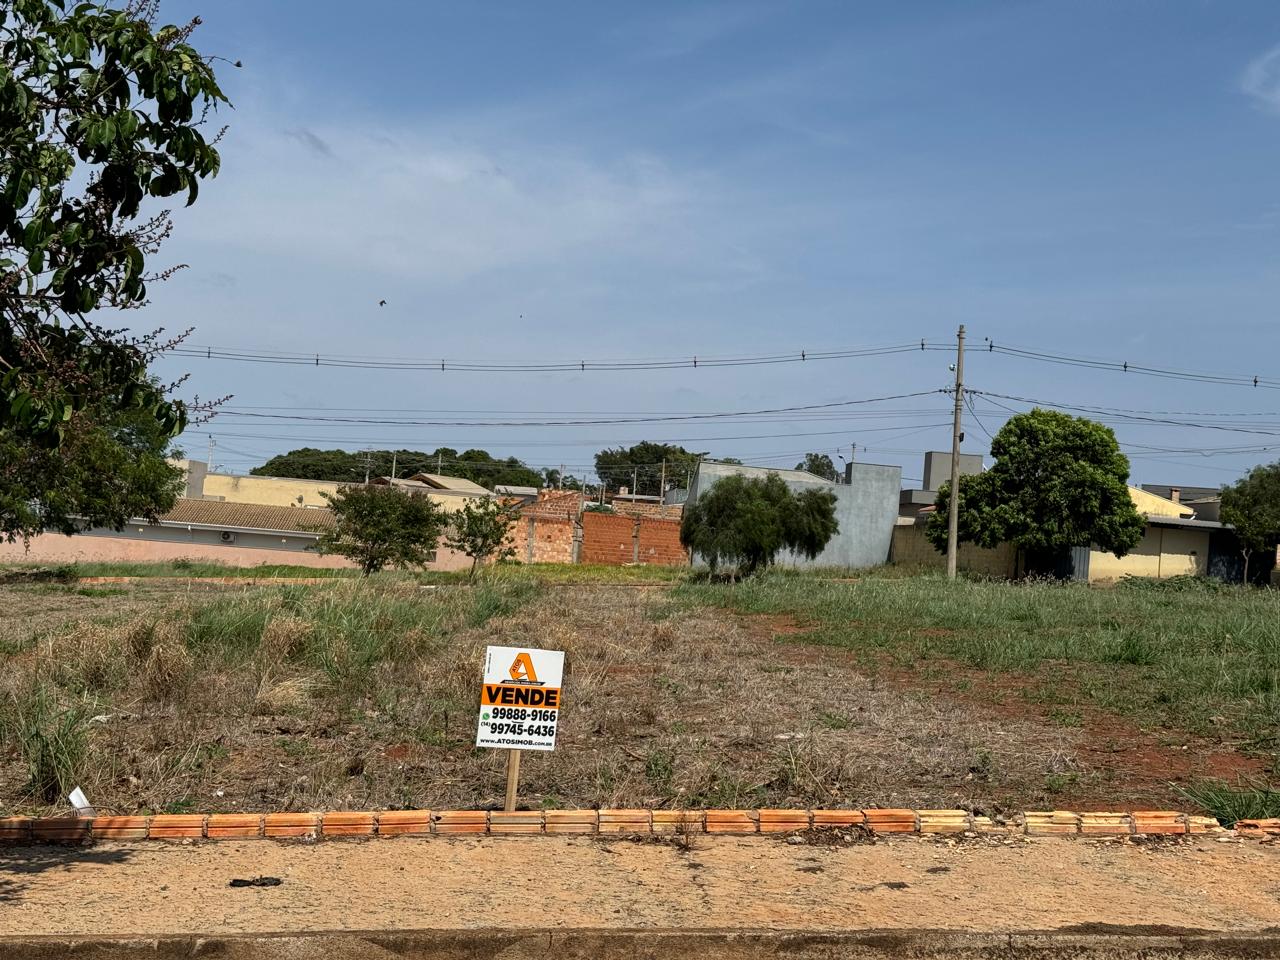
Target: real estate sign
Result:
[[520, 698]]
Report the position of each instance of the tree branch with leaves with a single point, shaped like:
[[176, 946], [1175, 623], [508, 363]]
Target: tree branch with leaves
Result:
[[100, 111]]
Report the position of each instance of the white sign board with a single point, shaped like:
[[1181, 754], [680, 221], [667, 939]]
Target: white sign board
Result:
[[520, 698]]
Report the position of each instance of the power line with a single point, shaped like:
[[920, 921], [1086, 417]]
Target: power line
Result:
[[666, 418], [444, 364], [1128, 416], [1124, 366]]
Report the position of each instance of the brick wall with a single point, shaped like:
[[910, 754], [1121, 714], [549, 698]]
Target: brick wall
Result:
[[660, 542], [547, 540], [671, 511], [607, 538]]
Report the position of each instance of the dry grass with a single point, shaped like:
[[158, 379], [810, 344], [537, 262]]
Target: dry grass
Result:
[[364, 695]]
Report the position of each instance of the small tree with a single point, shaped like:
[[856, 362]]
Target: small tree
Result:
[[747, 522], [481, 529], [1252, 506], [379, 527], [1058, 482], [819, 464]]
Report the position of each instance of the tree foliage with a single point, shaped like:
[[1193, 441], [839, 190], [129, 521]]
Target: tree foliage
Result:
[[111, 467], [379, 527], [1252, 506], [99, 111], [747, 522], [819, 464], [344, 466], [640, 467], [481, 530], [1058, 482]]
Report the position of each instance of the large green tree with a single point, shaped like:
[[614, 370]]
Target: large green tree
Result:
[[378, 527], [1252, 506], [640, 468], [747, 522], [819, 464], [344, 466], [100, 110], [1058, 482], [112, 466]]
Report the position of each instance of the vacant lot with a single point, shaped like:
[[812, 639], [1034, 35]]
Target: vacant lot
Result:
[[778, 692]]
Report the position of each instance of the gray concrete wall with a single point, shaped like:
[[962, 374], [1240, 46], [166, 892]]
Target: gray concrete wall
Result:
[[865, 509]]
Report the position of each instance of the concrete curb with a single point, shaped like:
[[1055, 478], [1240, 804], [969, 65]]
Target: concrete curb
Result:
[[593, 944], [243, 826]]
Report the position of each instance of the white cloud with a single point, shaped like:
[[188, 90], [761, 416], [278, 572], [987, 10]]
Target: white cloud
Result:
[[1261, 79], [411, 203]]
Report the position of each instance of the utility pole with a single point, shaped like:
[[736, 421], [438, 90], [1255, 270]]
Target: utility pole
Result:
[[368, 465], [635, 480], [953, 507], [560, 485], [393, 464], [662, 484], [209, 462], [439, 463]]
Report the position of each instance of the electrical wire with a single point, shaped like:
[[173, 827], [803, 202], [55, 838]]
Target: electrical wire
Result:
[[1124, 366], [666, 418], [444, 364]]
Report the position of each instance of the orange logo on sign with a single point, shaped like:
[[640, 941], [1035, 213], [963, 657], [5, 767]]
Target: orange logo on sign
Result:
[[522, 670]]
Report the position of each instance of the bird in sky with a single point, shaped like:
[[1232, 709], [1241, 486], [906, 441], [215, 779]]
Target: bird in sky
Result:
[[382, 303]]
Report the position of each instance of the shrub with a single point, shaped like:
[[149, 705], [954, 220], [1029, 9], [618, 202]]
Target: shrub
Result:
[[748, 522]]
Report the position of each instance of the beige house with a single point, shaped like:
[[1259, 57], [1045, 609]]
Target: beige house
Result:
[[203, 484], [1176, 543]]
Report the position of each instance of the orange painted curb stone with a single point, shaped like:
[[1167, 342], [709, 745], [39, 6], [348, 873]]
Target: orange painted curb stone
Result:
[[838, 818], [347, 823], [571, 821], [461, 821], [625, 821], [278, 825], [783, 821], [15, 828], [731, 821], [227, 826], [393, 823], [119, 828], [515, 822], [62, 829], [1041, 823], [679, 821], [944, 821], [176, 826], [891, 821], [1106, 824], [1158, 821]]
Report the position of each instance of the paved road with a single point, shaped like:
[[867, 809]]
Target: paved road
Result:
[[533, 887]]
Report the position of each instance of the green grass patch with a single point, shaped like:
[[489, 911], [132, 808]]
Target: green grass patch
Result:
[[1245, 801], [1183, 653]]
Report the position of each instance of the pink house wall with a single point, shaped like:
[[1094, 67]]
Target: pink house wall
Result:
[[54, 548]]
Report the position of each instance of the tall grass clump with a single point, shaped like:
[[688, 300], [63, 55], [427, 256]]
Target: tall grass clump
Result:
[[1247, 800], [52, 738]]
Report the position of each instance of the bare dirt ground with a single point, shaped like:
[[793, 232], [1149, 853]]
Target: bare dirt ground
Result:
[[667, 706], [550, 882]]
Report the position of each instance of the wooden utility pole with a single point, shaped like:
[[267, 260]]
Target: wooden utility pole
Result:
[[662, 484], [953, 505]]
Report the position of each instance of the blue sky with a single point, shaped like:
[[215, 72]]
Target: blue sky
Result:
[[594, 180]]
